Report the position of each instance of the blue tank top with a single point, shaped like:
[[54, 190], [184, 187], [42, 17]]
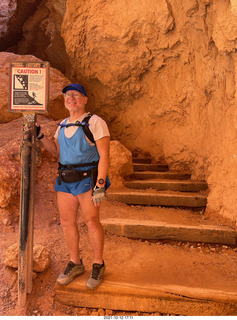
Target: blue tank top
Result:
[[76, 149]]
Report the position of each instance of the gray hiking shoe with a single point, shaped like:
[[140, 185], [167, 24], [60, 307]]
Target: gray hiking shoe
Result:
[[96, 276], [72, 270]]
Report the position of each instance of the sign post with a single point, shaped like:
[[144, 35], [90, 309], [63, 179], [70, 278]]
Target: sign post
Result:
[[28, 94]]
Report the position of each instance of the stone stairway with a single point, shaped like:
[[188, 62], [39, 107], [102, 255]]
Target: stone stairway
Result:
[[158, 205], [163, 188], [154, 185]]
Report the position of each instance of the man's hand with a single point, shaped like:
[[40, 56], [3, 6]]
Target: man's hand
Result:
[[39, 134], [98, 194]]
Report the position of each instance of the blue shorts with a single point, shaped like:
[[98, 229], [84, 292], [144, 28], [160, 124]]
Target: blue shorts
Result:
[[78, 187]]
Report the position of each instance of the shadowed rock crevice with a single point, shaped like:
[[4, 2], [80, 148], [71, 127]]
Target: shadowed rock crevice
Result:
[[13, 16]]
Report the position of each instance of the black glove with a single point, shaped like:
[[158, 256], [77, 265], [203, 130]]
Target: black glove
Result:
[[98, 194], [39, 134]]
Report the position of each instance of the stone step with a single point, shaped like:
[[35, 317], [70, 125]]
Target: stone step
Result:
[[158, 198], [146, 175], [115, 295], [154, 230], [158, 278], [150, 167], [142, 160], [175, 185]]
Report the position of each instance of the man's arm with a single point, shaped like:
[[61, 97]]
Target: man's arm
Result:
[[51, 146], [103, 146], [98, 193]]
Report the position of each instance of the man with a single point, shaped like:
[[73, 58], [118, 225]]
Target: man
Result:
[[79, 158]]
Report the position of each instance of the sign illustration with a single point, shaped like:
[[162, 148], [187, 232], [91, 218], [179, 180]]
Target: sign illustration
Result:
[[29, 86]]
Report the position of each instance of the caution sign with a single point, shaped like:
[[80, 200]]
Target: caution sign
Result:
[[29, 86]]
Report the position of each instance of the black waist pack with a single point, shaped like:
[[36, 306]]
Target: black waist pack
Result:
[[69, 174]]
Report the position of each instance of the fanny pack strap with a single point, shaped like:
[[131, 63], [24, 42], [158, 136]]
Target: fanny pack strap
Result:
[[79, 165], [81, 174]]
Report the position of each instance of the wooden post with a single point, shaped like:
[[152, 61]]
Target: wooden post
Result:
[[28, 93], [28, 156]]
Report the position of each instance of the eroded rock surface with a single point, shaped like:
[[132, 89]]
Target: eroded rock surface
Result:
[[164, 78], [162, 75], [9, 181], [43, 30], [14, 13], [120, 164], [41, 257]]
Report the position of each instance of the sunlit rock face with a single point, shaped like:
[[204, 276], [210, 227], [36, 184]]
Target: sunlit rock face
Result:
[[163, 76], [112, 44], [120, 164], [161, 73]]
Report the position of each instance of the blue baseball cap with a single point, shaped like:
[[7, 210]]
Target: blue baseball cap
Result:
[[75, 86]]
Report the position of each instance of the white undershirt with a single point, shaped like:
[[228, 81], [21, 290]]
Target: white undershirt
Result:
[[97, 126]]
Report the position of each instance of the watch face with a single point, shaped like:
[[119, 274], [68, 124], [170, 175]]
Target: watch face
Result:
[[101, 181]]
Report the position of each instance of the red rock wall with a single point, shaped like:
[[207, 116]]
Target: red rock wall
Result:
[[13, 14], [162, 73], [42, 34], [33, 27]]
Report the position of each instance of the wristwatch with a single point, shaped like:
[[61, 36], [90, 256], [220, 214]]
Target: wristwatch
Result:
[[101, 182]]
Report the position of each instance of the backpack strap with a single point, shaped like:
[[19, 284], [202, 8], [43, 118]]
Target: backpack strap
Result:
[[85, 126], [86, 129]]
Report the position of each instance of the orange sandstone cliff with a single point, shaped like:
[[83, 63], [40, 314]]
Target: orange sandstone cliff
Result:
[[161, 73]]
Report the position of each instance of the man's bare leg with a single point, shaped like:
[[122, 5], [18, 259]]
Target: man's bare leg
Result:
[[68, 208], [90, 214]]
